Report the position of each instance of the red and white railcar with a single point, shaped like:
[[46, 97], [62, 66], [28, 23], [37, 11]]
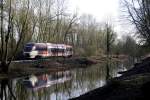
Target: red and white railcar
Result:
[[38, 50]]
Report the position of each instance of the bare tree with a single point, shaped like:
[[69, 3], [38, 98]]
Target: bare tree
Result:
[[69, 29], [139, 13], [110, 38], [8, 35]]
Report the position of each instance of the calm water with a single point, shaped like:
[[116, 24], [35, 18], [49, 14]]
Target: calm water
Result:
[[60, 85]]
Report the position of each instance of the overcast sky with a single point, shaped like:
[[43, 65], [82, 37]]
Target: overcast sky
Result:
[[102, 10], [98, 8]]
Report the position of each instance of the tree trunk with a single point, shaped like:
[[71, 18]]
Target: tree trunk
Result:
[[4, 66]]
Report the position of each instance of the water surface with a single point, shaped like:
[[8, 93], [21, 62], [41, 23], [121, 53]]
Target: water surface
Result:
[[60, 85]]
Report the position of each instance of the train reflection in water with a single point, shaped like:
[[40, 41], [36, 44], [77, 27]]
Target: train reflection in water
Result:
[[36, 82]]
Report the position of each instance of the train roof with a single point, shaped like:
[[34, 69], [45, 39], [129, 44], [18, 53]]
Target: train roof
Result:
[[50, 45]]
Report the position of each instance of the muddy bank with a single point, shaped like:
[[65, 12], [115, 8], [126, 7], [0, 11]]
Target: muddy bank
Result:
[[134, 84]]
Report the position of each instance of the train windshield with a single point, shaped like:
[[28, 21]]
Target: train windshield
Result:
[[28, 48]]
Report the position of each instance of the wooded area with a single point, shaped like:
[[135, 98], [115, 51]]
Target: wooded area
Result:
[[24, 21]]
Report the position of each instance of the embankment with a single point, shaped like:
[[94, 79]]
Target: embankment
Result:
[[134, 84]]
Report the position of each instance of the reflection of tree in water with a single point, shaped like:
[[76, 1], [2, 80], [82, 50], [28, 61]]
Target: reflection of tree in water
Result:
[[21, 92], [112, 68], [108, 67], [6, 92]]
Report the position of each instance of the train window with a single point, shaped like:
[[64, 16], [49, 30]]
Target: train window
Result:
[[41, 48], [54, 50], [61, 50]]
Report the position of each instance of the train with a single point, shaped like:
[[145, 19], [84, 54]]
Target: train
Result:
[[44, 50]]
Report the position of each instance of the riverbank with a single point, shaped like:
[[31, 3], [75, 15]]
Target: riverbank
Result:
[[134, 84], [27, 67], [21, 68]]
